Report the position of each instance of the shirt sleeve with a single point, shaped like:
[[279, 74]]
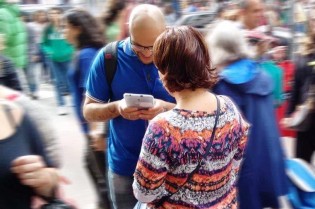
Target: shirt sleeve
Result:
[[152, 165], [96, 86], [85, 62]]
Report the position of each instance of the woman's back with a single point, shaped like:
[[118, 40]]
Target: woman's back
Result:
[[176, 141]]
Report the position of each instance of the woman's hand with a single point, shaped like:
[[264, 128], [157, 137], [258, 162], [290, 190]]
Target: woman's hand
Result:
[[285, 122], [32, 171]]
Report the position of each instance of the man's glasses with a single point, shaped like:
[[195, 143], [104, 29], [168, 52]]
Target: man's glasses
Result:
[[140, 48]]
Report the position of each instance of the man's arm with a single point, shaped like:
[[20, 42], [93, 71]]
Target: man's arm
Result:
[[94, 111]]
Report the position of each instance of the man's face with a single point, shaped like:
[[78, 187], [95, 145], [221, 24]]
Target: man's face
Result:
[[142, 41], [253, 14]]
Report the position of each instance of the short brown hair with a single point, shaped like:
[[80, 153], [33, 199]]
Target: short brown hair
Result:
[[181, 55]]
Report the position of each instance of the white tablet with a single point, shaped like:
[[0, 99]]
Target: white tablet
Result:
[[142, 101]]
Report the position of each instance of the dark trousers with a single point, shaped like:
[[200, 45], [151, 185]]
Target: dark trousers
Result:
[[305, 144], [96, 165]]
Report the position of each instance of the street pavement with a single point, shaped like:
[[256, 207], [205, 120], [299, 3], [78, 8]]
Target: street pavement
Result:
[[71, 145]]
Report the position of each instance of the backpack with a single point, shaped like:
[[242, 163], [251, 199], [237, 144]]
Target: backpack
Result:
[[110, 55]]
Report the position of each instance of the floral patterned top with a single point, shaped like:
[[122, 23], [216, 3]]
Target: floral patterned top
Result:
[[173, 145]]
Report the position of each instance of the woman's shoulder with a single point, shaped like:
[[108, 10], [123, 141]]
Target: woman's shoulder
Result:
[[11, 117]]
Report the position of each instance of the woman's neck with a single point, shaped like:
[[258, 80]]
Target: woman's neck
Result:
[[192, 100]]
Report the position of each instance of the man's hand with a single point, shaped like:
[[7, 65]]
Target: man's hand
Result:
[[150, 113], [129, 113]]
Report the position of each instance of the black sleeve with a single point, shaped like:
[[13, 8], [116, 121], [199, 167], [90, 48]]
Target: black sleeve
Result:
[[10, 78], [299, 80]]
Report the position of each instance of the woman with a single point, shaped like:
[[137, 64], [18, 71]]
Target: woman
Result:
[[59, 54], [25, 169], [114, 20], [303, 79], [175, 168], [83, 32], [262, 178]]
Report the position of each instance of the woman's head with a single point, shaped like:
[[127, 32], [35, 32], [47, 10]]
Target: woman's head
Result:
[[113, 9], [227, 43], [82, 29], [183, 60]]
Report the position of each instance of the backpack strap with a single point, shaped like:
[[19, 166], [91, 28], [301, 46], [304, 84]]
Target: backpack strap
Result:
[[110, 55]]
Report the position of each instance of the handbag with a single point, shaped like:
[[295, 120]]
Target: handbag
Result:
[[160, 202], [55, 203]]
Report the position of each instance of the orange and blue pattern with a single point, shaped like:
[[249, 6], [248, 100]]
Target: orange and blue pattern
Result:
[[173, 145]]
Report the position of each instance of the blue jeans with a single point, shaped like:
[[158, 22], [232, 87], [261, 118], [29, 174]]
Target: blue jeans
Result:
[[59, 70], [32, 76], [121, 192]]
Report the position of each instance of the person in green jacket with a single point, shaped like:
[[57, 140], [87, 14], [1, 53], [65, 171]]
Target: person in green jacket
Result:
[[59, 53], [15, 38]]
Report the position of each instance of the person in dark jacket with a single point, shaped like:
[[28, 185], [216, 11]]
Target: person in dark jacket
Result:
[[303, 79], [262, 176]]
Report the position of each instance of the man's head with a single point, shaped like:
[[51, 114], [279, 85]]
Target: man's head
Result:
[[252, 13], [146, 23]]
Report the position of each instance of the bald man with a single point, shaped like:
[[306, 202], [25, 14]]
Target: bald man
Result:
[[136, 74], [251, 12]]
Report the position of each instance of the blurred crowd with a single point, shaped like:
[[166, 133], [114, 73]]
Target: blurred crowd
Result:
[[224, 97]]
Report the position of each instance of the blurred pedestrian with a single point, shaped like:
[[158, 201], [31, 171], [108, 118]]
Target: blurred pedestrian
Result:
[[251, 14], [190, 155], [8, 74], [170, 14], [59, 53], [31, 70], [114, 21], [26, 171], [15, 38], [135, 73], [262, 177], [304, 78], [84, 33], [39, 23]]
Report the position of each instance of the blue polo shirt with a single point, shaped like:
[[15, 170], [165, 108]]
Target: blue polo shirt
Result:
[[131, 76]]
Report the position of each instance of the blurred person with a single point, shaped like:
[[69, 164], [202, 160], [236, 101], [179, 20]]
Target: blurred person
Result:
[[260, 44], [9, 79], [300, 17], [8, 74], [178, 142], [114, 20], [262, 179], [39, 24], [26, 170], [31, 70], [303, 79], [15, 38], [251, 13], [59, 53], [135, 73], [84, 33], [191, 7], [170, 15]]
